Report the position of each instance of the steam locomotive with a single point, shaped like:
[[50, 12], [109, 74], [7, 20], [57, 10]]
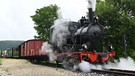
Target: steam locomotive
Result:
[[84, 43]]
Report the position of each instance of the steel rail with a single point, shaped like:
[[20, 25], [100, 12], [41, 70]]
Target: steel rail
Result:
[[115, 72]]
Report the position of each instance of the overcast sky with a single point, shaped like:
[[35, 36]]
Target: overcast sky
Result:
[[15, 21]]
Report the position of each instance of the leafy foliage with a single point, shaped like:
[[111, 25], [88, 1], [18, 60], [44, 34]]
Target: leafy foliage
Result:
[[119, 18], [43, 19]]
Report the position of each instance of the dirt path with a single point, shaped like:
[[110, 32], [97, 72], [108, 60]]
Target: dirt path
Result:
[[17, 67]]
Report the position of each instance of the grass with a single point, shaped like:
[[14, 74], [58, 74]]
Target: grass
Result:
[[0, 61], [6, 70]]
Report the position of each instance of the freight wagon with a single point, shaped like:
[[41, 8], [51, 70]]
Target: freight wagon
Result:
[[30, 49]]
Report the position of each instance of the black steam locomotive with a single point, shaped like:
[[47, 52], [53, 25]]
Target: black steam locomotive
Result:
[[85, 41]]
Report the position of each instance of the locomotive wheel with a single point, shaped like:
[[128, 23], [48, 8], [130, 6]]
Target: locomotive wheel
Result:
[[70, 62]]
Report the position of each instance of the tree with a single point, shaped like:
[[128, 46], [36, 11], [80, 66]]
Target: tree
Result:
[[119, 18], [44, 19]]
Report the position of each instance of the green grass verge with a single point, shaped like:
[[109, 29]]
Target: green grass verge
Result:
[[0, 61]]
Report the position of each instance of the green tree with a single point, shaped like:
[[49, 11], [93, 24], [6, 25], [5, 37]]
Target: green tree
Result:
[[119, 18], [44, 19]]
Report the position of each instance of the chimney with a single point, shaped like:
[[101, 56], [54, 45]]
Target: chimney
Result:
[[91, 8], [91, 15]]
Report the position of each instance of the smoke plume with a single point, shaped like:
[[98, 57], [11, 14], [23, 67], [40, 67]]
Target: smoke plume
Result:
[[47, 48], [60, 32], [92, 4]]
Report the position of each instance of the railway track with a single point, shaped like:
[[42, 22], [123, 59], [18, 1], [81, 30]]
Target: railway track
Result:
[[115, 72]]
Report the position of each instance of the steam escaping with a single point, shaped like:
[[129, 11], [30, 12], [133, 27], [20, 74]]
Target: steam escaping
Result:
[[60, 32], [47, 49], [92, 4], [86, 66], [124, 63]]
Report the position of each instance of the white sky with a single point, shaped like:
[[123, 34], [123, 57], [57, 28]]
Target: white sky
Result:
[[15, 20]]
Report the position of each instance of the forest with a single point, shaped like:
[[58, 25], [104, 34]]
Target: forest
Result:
[[7, 44]]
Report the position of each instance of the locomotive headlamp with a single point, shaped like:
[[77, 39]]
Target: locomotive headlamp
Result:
[[85, 46], [111, 47]]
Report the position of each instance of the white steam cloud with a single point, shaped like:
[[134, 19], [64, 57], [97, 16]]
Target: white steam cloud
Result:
[[92, 4], [60, 32], [86, 66], [125, 64], [47, 49]]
